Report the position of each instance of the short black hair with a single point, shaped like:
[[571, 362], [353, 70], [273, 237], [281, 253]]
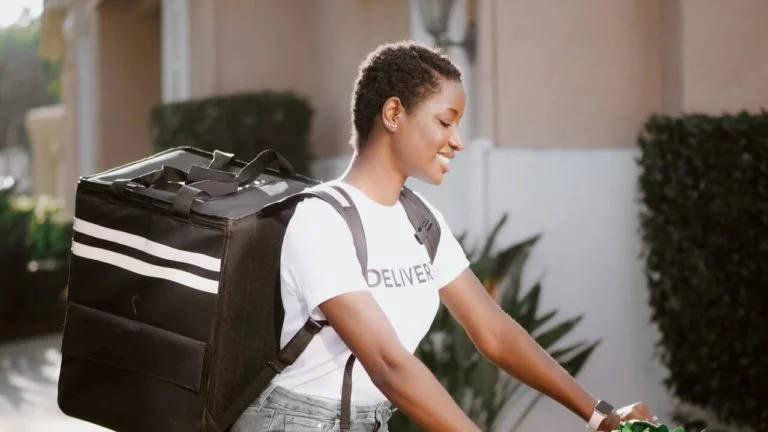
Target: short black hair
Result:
[[408, 70]]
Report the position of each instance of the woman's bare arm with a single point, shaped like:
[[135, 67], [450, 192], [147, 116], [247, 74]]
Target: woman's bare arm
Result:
[[401, 376], [504, 342]]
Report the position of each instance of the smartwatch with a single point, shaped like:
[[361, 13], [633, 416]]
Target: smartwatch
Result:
[[602, 410]]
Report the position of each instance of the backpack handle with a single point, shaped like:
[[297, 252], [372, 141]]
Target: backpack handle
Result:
[[164, 175], [186, 186], [203, 181], [216, 169], [260, 163]]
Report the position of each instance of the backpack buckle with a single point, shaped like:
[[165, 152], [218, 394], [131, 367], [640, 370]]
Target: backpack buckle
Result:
[[313, 326], [422, 233], [277, 365]]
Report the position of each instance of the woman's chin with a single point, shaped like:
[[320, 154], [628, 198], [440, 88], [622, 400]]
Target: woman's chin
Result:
[[434, 175], [438, 179], [434, 178]]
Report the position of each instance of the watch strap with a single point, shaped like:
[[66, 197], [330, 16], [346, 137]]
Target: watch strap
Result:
[[595, 420], [601, 411]]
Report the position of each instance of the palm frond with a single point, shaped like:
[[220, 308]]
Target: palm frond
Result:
[[476, 384]]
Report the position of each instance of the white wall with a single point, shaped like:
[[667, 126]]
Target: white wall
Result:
[[584, 204]]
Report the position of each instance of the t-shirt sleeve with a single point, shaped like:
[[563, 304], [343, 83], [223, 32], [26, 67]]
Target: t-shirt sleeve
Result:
[[450, 260], [318, 254]]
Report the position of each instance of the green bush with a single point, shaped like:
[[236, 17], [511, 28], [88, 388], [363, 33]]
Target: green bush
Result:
[[703, 188], [243, 124], [34, 227], [50, 230], [641, 426], [13, 220]]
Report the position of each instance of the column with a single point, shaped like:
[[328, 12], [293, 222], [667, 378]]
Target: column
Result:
[[175, 50]]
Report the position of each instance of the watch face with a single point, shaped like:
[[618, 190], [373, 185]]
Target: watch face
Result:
[[604, 407]]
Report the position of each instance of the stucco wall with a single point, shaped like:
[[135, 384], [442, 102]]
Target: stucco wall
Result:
[[312, 48], [573, 74], [548, 76], [264, 44], [724, 61], [588, 75], [129, 81], [345, 32]]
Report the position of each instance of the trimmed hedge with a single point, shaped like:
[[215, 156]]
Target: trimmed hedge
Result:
[[704, 223], [243, 124]]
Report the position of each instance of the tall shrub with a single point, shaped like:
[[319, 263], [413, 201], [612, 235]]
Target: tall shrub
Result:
[[703, 187], [243, 124]]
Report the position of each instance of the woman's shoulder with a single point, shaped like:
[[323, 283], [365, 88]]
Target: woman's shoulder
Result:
[[313, 217]]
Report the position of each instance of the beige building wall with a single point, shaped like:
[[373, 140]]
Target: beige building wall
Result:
[[548, 76], [724, 57], [264, 45], [345, 31], [129, 80], [312, 48], [571, 74], [589, 74], [203, 61]]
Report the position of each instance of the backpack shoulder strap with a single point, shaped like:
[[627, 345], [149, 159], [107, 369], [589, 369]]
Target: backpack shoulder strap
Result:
[[352, 217], [344, 206], [427, 233], [425, 223]]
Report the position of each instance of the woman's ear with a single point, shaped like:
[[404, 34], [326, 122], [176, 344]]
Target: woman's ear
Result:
[[391, 113]]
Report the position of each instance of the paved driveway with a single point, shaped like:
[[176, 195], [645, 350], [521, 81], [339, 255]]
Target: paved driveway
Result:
[[29, 371]]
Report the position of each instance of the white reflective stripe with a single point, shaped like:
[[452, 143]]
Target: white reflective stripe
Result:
[[140, 243], [145, 269]]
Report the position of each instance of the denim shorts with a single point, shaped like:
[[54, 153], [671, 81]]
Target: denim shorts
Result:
[[280, 410]]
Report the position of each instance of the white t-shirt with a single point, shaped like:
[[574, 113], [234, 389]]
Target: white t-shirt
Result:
[[319, 262]]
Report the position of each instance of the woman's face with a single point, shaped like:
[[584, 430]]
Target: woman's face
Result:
[[427, 139]]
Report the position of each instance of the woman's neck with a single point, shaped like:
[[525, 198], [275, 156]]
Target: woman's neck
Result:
[[374, 172]]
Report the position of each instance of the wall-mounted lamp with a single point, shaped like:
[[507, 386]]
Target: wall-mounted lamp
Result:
[[435, 15]]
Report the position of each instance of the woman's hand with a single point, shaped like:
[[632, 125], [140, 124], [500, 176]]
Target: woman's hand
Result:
[[635, 411]]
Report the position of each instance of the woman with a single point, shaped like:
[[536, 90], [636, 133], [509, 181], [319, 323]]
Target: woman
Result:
[[407, 104]]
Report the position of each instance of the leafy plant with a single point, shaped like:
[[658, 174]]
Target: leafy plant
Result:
[[33, 227], [641, 426], [49, 233], [12, 220], [35, 239], [478, 386]]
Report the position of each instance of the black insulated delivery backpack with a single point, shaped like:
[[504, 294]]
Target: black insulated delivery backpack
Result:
[[174, 311]]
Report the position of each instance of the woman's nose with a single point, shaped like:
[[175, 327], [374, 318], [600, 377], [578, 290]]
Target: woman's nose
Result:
[[456, 142]]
